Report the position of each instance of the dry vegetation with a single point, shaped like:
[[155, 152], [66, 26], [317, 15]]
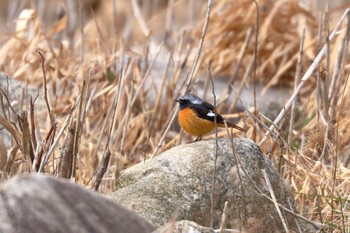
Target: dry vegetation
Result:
[[120, 85]]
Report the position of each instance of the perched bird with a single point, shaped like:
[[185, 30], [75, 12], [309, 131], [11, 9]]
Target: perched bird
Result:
[[197, 117]]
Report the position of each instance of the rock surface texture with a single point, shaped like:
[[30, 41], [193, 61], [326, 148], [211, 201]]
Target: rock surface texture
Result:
[[177, 185], [39, 204], [185, 226]]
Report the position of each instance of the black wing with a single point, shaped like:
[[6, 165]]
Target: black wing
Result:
[[206, 111], [207, 106]]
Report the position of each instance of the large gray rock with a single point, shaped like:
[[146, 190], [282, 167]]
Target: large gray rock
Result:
[[177, 185], [39, 203]]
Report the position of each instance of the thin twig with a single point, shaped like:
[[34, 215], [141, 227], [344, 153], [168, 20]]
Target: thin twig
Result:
[[323, 89], [200, 46], [65, 165], [238, 164], [8, 104], [126, 119], [116, 104], [255, 64], [274, 200], [328, 63], [296, 220], [223, 219], [296, 82], [102, 168], [32, 121], [45, 88], [240, 58], [78, 128], [243, 82], [318, 72], [339, 67], [11, 129], [166, 131], [27, 149], [88, 95], [216, 152]]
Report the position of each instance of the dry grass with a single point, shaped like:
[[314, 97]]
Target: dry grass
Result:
[[117, 89]]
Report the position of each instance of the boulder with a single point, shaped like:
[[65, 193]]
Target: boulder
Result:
[[178, 185], [39, 203]]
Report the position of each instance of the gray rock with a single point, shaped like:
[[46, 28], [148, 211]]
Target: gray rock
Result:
[[177, 185], [185, 226], [39, 203]]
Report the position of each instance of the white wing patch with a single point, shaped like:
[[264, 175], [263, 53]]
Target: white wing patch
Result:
[[211, 114]]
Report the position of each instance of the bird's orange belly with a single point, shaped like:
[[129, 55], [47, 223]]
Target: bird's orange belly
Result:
[[193, 124]]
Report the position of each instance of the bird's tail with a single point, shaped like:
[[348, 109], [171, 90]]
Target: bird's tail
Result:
[[231, 125]]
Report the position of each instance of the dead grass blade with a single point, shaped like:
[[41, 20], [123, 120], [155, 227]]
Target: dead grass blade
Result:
[[3, 156], [11, 129], [65, 166]]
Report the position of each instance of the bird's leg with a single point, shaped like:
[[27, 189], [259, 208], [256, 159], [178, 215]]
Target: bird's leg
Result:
[[197, 139]]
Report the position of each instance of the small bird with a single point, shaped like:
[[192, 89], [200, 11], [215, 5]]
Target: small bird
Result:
[[197, 117]]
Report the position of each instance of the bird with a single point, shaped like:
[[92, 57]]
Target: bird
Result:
[[197, 117]]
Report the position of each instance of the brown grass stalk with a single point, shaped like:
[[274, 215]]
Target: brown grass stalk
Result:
[[257, 24], [223, 219], [200, 46], [296, 82], [274, 200], [32, 122], [238, 65], [52, 117], [11, 129], [212, 197], [102, 168], [8, 103], [26, 139], [65, 166], [325, 81], [338, 75], [79, 126], [243, 83]]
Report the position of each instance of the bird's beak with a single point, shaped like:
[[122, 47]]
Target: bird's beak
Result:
[[177, 101]]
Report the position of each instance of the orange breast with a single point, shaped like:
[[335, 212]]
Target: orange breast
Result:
[[194, 125]]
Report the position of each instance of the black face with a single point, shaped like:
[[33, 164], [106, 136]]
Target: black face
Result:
[[184, 103]]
